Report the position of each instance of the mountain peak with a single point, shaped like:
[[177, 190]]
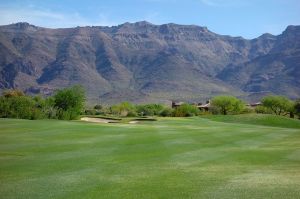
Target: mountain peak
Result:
[[292, 28], [23, 25], [267, 36], [292, 32], [143, 23], [139, 23]]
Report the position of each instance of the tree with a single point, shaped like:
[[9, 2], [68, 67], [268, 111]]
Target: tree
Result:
[[228, 104], [297, 108], [279, 105], [69, 102]]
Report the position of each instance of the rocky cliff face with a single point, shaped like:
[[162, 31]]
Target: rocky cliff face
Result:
[[145, 62], [277, 71]]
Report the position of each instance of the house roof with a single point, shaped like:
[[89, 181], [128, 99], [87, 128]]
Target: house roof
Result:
[[204, 105], [255, 104], [178, 103]]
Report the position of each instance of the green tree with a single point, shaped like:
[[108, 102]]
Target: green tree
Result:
[[297, 108], [69, 102], [228, 104], [279, 105]]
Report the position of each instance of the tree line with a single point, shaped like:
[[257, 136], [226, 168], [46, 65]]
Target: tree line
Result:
[[69, 103], [65, 104], [272, 104], [224, 105]]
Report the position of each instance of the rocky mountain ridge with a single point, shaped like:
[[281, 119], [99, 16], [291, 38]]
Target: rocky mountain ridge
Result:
[[143, 62]]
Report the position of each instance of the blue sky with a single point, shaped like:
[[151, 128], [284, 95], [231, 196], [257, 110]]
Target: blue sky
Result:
[[247, 18]]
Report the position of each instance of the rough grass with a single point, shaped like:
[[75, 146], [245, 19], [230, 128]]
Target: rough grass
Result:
[[170, 158], [257, 119]]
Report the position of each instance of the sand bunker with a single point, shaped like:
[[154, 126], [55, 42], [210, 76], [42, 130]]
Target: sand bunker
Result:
[[133, 122], [97, 120], [103, 120]]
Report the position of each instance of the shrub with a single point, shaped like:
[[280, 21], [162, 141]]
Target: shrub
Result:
[[90, 112], [69, 102], [98, 107], [122, 109], [13, 93], [149, 109], [166, 112], [186, 110], [247, 110], [262, 110], [23, 107], [132, 113]]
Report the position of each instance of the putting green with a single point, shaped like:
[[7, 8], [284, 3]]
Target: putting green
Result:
[[169, 158]]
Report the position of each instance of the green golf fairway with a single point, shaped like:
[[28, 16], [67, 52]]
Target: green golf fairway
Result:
[[168, 158]]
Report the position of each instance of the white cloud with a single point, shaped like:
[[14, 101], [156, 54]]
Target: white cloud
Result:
[[48, 18]]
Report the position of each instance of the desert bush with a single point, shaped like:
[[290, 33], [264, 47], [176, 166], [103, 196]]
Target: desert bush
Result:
[[166, 112], [98, 107], [262, 110], [13, 93], [23, 107], [247, 110], [122, 109], [186, 110], [203, 112], [90, 112], [132, 113], [149, 109]]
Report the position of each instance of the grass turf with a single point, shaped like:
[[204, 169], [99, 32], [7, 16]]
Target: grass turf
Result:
[[257, 119], [170, 158]]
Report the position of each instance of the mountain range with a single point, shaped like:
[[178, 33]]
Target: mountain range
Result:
[[143, 62]]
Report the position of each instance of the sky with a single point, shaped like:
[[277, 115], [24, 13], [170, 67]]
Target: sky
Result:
[[246, 18]]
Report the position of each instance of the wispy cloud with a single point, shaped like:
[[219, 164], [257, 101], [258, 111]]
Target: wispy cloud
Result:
[[49, 18], [225, 3]]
